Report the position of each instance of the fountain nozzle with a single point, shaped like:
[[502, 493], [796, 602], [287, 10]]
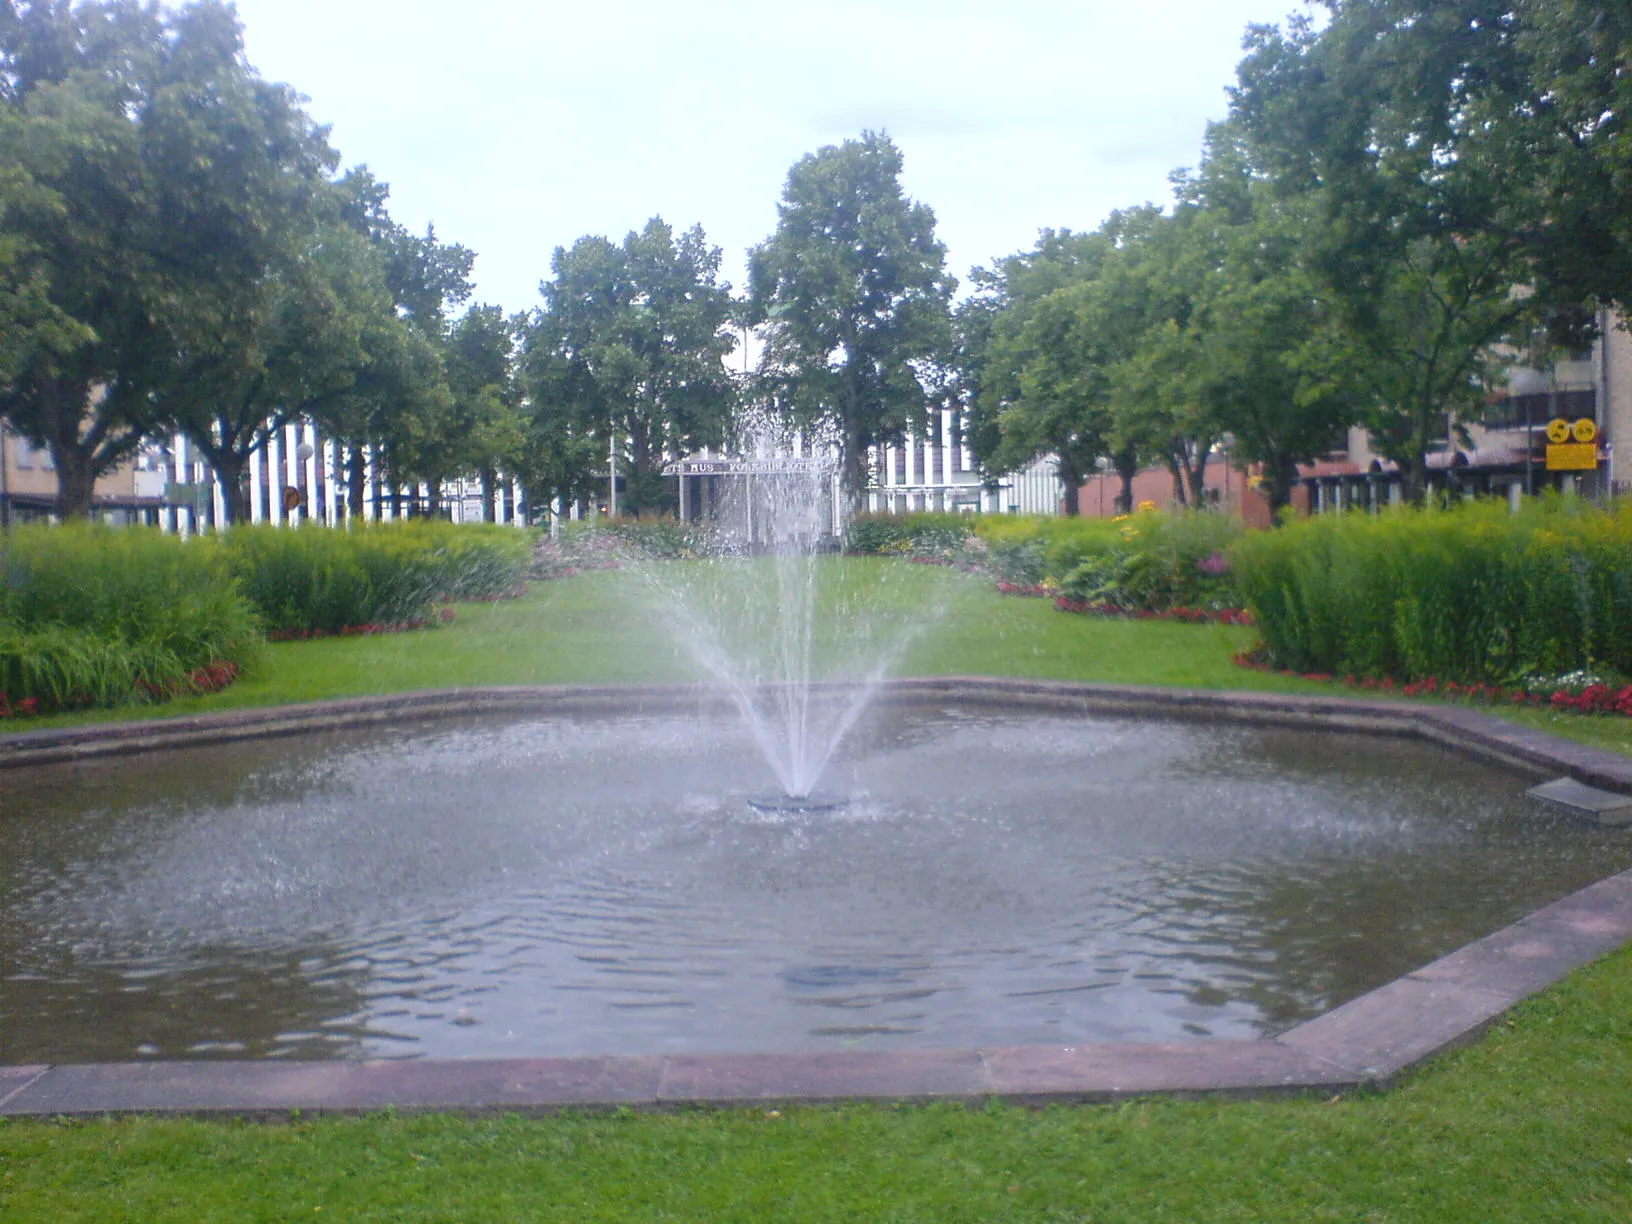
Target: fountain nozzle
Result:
[[816, 801]]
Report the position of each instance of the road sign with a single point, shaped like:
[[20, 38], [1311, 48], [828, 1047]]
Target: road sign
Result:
[[1572, 457], [1558, 431], [1585, 430]]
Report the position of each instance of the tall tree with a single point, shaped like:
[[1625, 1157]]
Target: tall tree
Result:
[[400, 408], [1064, 322], [988, 358], [78, 91], [631, 345], [853, 298], [485, 434], [1416, 247]]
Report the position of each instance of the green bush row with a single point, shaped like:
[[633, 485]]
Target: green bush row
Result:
[[919, 535], [1473, 593], [90, 615], [665, 539], [322, 579], [1152, 561]]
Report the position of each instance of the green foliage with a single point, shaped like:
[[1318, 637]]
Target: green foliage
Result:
[[1528, 1124], [314, 578], [628, 352], [1150, 561], [660, 538], [90, 615], [853, 295], [1160, 561], [1469, 594], [918, 535]]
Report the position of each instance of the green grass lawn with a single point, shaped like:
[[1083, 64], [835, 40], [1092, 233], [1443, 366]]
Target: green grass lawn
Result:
[[1531, 1124], [608, 628]]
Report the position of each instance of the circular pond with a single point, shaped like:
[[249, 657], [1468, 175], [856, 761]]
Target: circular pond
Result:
[[579, 886]]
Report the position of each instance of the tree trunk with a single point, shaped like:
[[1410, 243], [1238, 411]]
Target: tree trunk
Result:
[[76, 480], [490, 480], [1278, 487], [1127, 467], [852, 479], [230, 474], [640, 463], [1176, 469], [1070, 488], [356, 481]]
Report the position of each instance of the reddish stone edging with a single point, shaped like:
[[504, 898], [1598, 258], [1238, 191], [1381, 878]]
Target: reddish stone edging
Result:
[[1370, 1040]]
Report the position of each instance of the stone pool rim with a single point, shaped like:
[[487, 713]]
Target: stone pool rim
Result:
[[1367, 1042]]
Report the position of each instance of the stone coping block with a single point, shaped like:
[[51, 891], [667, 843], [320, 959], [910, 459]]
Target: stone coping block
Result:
[[1368, 1041]]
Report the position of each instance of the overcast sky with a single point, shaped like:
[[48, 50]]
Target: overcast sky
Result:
[[519, 126]]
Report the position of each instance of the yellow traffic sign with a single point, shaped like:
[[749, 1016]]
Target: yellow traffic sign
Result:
[[1558, 430], [1585, 430], [1572, 457]]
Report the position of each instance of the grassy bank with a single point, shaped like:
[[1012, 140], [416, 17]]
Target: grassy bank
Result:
[[1529, 1125], [606, 627]]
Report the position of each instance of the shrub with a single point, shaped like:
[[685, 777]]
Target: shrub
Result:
[[661, 539], [1149, 562], [92, 615], [926, 534], [322, 579], [1471, 594]]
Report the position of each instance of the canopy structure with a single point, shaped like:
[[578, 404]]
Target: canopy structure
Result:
[[707, 486]]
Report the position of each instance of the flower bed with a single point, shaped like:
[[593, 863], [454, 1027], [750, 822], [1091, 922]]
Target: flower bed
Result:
[[1189, 616], [1596, 698], [211, 678]]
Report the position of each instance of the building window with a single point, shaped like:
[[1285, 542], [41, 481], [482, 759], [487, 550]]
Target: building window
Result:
[[1535, 410]]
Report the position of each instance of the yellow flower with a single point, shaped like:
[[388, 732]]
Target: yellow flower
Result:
[[1146, 506], [1120, 518]]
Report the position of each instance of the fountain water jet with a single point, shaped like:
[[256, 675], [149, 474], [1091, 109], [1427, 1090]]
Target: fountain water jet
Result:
[[800, 652]]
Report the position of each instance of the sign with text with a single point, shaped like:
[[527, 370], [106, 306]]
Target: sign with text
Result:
[[752, 467], [1572, 457]]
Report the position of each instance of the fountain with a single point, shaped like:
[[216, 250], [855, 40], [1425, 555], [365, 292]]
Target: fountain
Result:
[[564, 872], [800, 651]]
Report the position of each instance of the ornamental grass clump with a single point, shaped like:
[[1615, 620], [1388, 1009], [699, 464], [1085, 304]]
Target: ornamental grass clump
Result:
[[314, 579], [92, 615], [1473, 594], [927, 534]]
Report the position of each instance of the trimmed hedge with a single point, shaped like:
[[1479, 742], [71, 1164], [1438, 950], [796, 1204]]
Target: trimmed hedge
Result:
[[1472, 594], [93, 615], [918, 535], [664, 539], [317, 579]]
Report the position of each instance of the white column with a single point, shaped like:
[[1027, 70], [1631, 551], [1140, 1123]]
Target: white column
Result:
[[912, 465], [183, 525], [274, 477], [371, 488], [308, 433], [255, 483], [334, 482], [218, 501]]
